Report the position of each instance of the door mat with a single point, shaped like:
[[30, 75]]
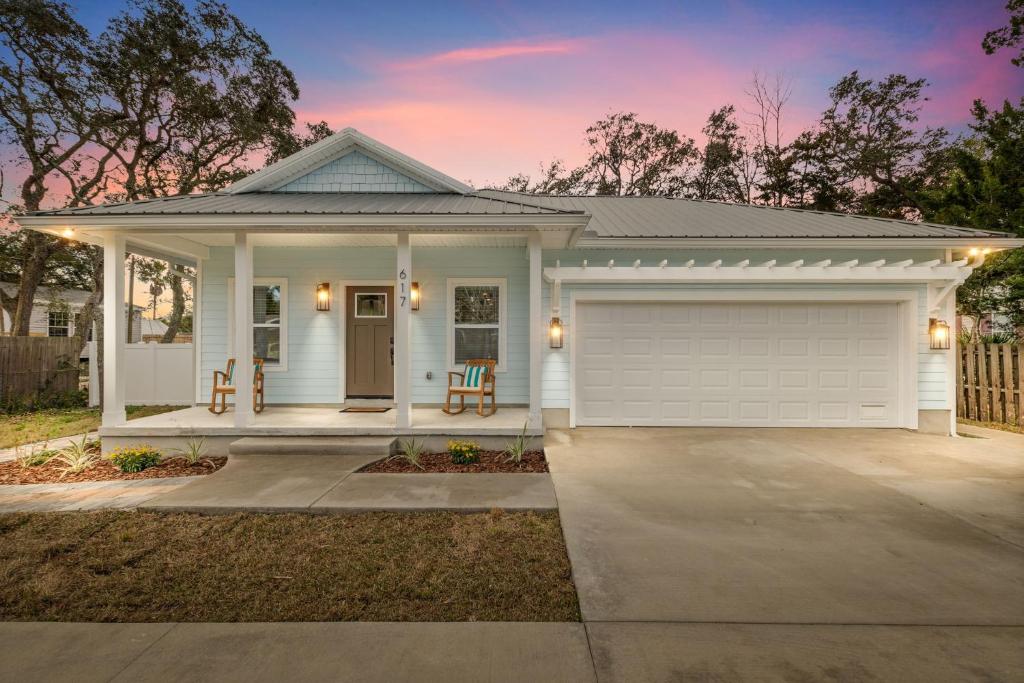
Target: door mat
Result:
[[365, 409]]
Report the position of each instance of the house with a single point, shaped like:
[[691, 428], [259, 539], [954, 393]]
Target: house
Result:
[[365, 274]]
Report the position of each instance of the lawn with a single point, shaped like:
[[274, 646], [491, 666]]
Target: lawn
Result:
[[23, 428], [150, 567]]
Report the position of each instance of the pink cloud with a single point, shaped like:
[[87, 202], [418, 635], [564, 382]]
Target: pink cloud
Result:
[[490, 53]]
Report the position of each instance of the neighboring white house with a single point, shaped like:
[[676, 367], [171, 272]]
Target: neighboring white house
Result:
[[673, 312]]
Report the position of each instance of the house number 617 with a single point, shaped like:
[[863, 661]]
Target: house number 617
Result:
[[402, 276]]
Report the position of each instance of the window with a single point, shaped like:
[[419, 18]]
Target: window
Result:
[[476, 320], [57, 324], [269, 321], [370, 305]]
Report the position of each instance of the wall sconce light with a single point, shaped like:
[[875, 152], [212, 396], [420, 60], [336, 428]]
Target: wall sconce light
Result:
[[67, 233], [323, 296], [414, 296], [938, 334], [555, 333]]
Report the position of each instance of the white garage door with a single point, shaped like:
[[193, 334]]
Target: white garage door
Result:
[[765, 364]]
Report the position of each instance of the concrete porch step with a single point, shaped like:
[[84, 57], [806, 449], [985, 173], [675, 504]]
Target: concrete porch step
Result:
[[313, 445]]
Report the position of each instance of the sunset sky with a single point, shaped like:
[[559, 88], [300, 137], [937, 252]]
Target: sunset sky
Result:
[[483, 90]]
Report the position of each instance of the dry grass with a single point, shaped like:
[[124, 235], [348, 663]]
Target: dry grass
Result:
[[16, 430], [1001, 426], [148, 567]]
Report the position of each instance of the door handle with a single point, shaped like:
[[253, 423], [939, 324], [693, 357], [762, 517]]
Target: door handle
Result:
[[392, 351]]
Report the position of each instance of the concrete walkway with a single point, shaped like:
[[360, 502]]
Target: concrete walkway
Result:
[[56, 444], [328, 483], [91, 495]]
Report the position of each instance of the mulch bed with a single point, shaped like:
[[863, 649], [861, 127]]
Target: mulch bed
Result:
[[11, 472], [490, 461]]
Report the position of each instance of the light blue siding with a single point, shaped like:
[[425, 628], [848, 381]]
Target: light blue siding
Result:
[[355, 172], [312, 375]]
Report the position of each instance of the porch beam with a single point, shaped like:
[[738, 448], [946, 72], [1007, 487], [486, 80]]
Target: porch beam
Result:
[[114, 330], [536, 329], [741, 272], [403, 313], [243, 378]]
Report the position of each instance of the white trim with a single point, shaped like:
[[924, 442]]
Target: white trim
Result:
[[283, 282], [349, 223], [343, 286], [355, 314], [824, 271], [536, 328], [907, 319], [335, 147], [449, 320], [197, 328]]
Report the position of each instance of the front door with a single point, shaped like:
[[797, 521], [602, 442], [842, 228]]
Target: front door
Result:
[[370, 342]]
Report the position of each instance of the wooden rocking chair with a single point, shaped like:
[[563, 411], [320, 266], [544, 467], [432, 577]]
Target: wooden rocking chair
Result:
[[476, 380], [225, 385]]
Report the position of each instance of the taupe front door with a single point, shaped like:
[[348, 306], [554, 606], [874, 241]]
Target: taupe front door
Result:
[[370, 341]]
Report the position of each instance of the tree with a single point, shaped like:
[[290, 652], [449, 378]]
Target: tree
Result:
[[1011, 35], [630, 157], [869, 135], [290, 142], [773, 160], [554, 179], [51, 114], [715, 176]]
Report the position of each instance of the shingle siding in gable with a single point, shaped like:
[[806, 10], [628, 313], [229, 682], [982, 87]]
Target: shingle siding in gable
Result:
[[355, 172]]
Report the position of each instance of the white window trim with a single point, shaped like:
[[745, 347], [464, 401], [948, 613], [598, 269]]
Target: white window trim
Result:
[[502, 285], [67, 323], [283, 283]]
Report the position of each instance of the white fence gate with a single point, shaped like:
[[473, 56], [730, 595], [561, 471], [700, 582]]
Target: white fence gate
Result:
[[155, 374]]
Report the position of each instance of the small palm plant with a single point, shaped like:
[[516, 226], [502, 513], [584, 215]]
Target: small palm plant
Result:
[[411, 451], [516, 449], [193, 452], [76, 457], [33, 456]]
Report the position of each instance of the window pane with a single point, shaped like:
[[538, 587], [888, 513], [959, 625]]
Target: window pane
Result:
[[267, 344], [371, 305], [266, 304], [476, 342], [476, 305], [57, 324]]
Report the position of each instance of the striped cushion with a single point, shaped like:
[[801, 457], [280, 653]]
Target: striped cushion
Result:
[[231, 374], [474, 376]]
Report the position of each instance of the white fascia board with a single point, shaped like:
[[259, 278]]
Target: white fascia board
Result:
[[798, 242], [733, 274], [304, 222]]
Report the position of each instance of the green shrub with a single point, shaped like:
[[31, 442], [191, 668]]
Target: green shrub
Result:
[[77, 456], [33, 456], [464, 452], [135, 458], [409, 450], [46, 400], [515, 449]]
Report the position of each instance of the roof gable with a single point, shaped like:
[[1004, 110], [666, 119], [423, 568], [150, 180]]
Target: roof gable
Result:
[[343, 162], [355, 172]]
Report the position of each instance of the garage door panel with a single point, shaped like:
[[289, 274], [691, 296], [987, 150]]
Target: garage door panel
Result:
[[749, 364]]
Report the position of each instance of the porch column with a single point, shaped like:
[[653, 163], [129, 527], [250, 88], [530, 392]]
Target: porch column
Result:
[[114, 329], [243, 330], [403, 312], [536, 329]]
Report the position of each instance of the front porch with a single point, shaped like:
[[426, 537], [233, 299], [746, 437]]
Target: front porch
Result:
[[428, 424]]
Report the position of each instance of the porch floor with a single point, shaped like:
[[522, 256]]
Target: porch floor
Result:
[[313, 421]]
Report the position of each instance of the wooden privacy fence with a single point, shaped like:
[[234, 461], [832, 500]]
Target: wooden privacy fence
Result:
[[990, 383], [30, 366]]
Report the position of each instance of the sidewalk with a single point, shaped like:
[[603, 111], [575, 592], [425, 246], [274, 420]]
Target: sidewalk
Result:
[[90, 495], [53, 444], [330, 483]]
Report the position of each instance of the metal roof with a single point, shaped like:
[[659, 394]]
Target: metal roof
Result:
[[654, 217], [290, 203]]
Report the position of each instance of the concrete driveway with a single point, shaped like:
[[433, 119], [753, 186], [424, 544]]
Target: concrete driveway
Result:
[[777, 553]]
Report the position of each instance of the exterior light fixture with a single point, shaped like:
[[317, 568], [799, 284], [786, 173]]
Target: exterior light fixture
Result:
[[414, 296], [555, 333], [323, 296], [938, 334], [67, 233]]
